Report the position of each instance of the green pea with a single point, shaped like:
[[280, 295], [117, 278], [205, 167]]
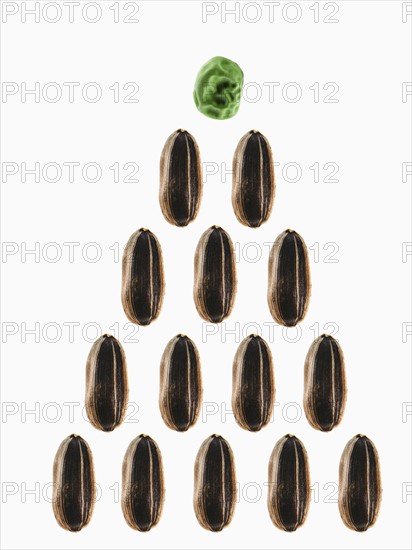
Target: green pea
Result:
[[218, 88]]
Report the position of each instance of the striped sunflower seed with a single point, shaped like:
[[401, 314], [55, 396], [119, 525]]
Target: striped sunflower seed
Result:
[[180, 179], [73, 484], [180, 384], [142, 484], [289, 484], [142, 278], [215, 484], [360, 489], [253, 186], [215, 275], [253, 388], [325, 384], [106, 384], [289, 279]]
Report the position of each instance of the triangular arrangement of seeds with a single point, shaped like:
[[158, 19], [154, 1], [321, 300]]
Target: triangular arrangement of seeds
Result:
[[253, 393]]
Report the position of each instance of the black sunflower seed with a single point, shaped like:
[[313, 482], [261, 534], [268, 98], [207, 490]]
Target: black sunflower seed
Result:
[[73, 484], [215, 275], [289, 279], [142, 278], [360, 488], [215, 484], [325, 384], [180, 383], [289, 484], [253, 388], [180, 179], [106, 384], [142, 484], [253, 187]]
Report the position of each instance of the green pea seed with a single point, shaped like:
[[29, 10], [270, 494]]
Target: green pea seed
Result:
[[218, 88]]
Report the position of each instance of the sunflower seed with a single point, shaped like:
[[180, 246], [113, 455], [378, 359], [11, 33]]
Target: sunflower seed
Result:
[[142, 278], [289, 279], [215, 275], [215, 484], [325, 384], [359, 484], [289, 484], [106, 384], [142, 484], [73, 484], [180, 179], [253, 388], [253, 186], [180, 384]]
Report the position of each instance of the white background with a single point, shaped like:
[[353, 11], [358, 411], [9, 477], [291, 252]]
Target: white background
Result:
[[365, 293]]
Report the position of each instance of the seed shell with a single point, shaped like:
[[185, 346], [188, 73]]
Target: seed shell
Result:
[[253, 186], [360, 490], [142, 484], [289, 484], [215, 490], [180, 384], [106, 384], [142, 278], [253, 387], [180, 179], [73, 484], [325, 384], [289, 279], [215, 275]]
